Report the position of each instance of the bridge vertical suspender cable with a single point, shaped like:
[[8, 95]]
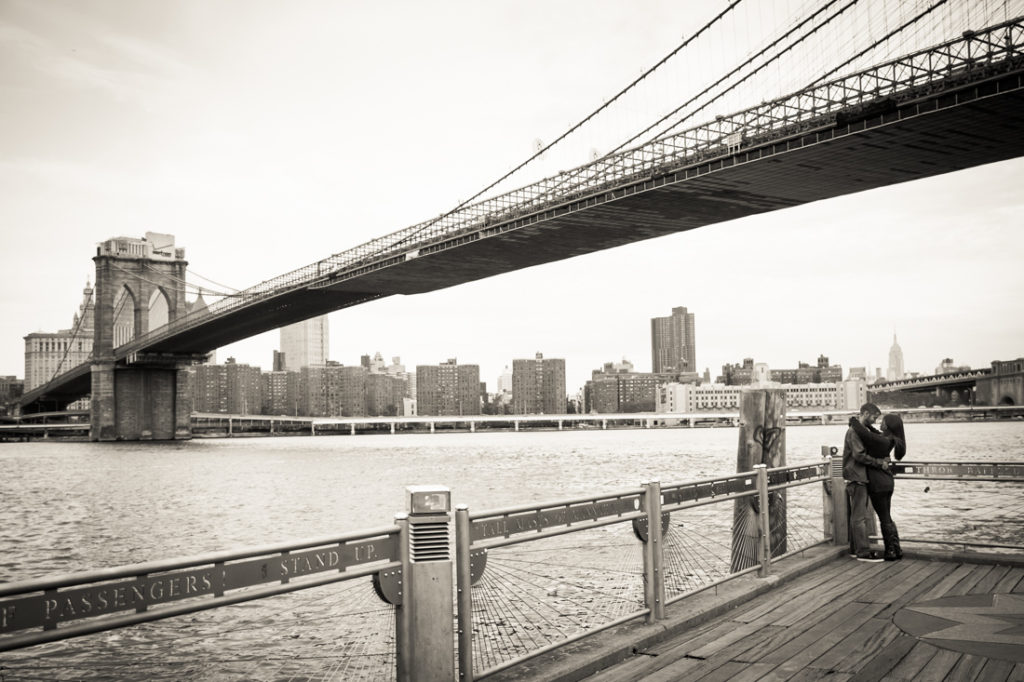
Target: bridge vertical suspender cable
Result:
[[540, 152]]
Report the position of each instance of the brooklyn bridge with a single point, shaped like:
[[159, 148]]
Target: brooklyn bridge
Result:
[[936, 109]]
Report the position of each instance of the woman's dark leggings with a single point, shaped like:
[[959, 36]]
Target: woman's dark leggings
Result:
[[882, 502]]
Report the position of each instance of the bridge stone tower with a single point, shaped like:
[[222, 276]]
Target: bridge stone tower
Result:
[[139, 286]]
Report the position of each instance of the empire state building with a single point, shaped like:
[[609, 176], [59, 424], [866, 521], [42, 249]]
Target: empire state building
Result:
[[895, 371]]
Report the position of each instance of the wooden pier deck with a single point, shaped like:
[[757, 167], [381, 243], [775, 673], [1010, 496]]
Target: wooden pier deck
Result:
[[916, 619]]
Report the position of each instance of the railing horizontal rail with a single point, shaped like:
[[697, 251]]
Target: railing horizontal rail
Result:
[[162, 589], [132, 570], [504, 541], [959, 471], [88, 628]]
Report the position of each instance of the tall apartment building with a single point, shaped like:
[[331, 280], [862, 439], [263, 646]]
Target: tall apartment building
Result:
[[385, 395], [538, 386], [305, 343], [617, 389], [231, 388], [50, 353], [673, 343], [448, 389], [281, 392]]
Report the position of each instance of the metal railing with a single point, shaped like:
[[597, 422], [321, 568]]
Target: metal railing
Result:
[[530, 578], [36, 612], [844, 102], [588, 564]]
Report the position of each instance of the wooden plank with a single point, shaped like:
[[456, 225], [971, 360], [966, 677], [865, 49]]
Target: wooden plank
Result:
[[831, 659], [940, 665], [820, 645], [877, 642], [989, 582], [884, 661], [856, 588], [943, 586], [898, 585], [734, 671], [935, 572], [963, 587], [722, 657], [911, 665], [831, 574], [1010, 580], [813, 636], [809, 675], [995, 671], [967, 668]]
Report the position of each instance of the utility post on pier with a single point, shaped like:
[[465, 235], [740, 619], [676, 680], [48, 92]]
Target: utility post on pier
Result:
[[425, 631]]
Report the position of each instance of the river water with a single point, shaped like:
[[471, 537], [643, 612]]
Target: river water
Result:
[[78, 506]]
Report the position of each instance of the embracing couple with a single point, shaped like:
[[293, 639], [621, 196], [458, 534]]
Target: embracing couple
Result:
[[867, 469]]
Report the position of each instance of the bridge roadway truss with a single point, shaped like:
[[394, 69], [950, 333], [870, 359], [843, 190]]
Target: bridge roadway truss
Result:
[[951, 107]]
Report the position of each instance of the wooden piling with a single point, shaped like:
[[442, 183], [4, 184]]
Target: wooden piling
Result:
[[762, 440]]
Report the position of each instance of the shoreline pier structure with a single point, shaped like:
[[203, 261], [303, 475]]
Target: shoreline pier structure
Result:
[[567, 588]]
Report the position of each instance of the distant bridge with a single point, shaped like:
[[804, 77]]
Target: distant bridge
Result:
[[954, 106], [1001, 384]]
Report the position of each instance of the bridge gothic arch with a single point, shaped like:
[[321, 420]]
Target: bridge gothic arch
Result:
[[139, 287]]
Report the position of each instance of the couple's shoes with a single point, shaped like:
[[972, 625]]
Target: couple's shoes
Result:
[[874, 557]]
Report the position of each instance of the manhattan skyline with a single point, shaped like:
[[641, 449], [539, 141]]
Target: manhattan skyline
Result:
[[260, 161]]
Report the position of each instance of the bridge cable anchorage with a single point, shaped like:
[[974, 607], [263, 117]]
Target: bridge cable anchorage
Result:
[[540, 152]]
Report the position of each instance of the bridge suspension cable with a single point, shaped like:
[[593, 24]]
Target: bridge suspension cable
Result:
[[880, 41], [540, 152]]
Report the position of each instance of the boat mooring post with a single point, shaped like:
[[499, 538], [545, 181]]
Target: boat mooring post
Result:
[[427, 653]]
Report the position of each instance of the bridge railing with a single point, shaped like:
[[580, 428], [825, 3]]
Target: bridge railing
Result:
[[841, 102], [536, 577]]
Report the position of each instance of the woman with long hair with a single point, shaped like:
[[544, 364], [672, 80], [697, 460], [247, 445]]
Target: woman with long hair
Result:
[[880, 480]]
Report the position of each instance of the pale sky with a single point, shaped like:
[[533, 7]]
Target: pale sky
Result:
[[267, 135]]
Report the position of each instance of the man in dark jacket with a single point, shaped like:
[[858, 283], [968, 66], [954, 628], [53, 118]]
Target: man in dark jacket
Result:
[[855, 463]]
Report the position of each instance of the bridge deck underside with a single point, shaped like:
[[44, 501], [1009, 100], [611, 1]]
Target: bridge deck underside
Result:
[[969, 135], [971, 127], [752, 181]]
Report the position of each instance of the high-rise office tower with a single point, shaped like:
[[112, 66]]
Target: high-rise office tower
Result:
[[895, 372], [305, 343], [673, 343]]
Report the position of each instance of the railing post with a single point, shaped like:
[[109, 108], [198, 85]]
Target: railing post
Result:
[[828, 519], [426, 650], [464, 584], [764, 536], [654, 555], [403, 650]]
